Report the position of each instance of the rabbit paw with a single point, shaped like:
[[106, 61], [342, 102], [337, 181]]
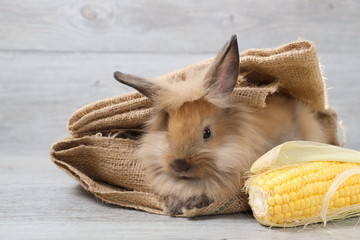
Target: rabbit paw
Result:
[[198, 202], [174, 206]]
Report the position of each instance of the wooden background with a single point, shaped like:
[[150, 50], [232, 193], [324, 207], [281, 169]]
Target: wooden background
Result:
[[56, 56]]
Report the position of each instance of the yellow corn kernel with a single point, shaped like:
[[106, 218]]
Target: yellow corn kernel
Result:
[[347, 201], [299, 193], [354, 199], [277, 209], [312, 200], [278, 199], [292, 196], [314, 209], [317, 199], [286, 198], [352, 190], [282, 178], [278, 190], [287, 216], [336, 195], [341, 192], [271, 210], [341, 202], [310, 189], [307, 202], [266, 188], [285, 208], [271, 201], [347, 190], [279, 217], [285, 187], [305, 191], [291, 206], [302, 203], [356, 189]]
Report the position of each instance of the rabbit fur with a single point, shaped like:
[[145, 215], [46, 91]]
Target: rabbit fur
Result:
[[200, 142]]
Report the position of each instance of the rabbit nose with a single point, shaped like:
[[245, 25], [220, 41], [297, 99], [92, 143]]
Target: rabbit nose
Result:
[[180, 165]]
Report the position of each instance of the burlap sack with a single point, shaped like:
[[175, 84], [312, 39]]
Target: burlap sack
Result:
[[105, 134]]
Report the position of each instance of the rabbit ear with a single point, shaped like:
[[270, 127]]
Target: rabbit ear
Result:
[[223, 73], [144, 86]]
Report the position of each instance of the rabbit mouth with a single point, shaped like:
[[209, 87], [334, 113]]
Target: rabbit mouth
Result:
[[186, 178]]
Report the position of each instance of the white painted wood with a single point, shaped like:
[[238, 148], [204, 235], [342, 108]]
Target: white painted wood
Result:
[[175, 26]]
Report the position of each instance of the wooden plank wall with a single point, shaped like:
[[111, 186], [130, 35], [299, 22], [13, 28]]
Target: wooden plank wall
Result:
[[167, 26], [56, 56]]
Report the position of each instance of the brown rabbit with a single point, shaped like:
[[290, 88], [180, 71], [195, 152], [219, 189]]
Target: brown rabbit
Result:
[[200, 141]]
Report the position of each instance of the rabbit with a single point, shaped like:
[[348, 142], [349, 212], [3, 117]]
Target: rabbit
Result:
[[200, 142]]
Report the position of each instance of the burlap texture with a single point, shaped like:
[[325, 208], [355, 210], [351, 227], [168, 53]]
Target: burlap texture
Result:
[[106, 133]]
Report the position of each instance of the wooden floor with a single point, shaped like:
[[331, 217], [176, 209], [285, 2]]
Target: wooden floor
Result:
[[56, 56]]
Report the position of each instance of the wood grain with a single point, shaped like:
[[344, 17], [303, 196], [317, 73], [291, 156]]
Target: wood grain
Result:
[[175, 26]]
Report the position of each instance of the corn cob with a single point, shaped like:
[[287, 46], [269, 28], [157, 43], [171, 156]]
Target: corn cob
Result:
[[299, 183]]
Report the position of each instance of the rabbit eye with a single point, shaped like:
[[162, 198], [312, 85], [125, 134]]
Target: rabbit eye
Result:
[[207, 133]]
